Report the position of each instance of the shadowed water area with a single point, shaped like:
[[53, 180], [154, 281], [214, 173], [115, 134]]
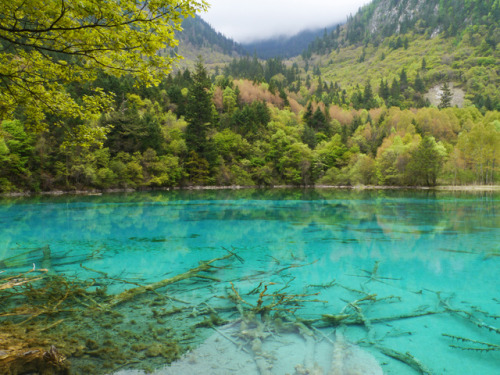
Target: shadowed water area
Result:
[[252, 281]]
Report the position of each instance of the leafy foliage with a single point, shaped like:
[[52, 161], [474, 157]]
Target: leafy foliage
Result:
[[46, 45]]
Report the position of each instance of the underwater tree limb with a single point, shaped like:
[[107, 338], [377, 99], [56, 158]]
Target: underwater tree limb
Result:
[[403, 357], [240, 347], [132, 293], [21, 279], [407, 358], [467, 315], [106, 276], [366, 322], [480, 345], [329, 320]]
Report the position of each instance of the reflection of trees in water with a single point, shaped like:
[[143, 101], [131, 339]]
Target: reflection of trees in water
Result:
[[300, 219]]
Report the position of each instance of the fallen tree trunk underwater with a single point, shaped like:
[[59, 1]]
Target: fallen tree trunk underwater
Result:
[[48, 320]]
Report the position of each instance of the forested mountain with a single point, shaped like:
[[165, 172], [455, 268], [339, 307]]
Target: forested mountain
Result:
[[410, 46], [354, 108], [388, 18], [285, 46], [198, 38]]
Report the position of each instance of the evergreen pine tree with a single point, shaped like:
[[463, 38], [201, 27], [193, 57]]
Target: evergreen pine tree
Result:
[[446, 96], [383, 90], [318, 121], [395, 93], [368, 99], [423, 67], [308, 114], [419, 84], [319, 89], [488, 104], [425, 163], [403, 80], [199, 111]]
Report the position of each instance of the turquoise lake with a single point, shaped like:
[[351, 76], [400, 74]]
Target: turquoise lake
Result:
[[422, 268]]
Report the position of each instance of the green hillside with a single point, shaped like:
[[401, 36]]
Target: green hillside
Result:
[[459, 45], [381, 19]]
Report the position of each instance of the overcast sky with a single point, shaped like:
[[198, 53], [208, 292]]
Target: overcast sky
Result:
[[249, 20]]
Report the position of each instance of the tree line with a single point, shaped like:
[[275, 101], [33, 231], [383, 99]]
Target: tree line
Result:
[[198, 129]]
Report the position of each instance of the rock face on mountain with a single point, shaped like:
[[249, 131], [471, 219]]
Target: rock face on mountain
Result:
[[383, 18], [391, 17]]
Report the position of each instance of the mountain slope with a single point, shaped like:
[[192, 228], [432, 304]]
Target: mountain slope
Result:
[[198, 38], [284, 46], [384, 18], [433, 41]]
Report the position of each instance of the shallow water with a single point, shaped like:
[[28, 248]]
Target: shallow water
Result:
[[417, 251]]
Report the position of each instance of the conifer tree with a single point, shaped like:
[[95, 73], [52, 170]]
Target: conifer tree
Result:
[[446, 96], [419, 84], [423, 66], [403, 80], [426, 162], [199, 111], [383, 90], [308, 114], [368, 99], [318, 121]]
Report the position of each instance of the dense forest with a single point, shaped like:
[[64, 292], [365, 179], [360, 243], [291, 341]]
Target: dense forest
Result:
[[353, 109]]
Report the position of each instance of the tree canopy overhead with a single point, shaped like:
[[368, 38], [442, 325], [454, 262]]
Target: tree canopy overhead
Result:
[[45, 44]]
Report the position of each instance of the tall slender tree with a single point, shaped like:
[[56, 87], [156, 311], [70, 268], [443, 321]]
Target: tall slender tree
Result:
[[199, 111]]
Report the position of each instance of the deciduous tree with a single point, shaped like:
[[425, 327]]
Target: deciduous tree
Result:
[[46, 44]]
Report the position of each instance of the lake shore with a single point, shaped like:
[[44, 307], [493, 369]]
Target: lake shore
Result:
[[239, 187]]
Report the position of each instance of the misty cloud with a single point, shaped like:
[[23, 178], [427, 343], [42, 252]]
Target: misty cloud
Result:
[[245, 21]]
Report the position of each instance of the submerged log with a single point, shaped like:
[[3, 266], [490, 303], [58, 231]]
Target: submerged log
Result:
[[194, 272]]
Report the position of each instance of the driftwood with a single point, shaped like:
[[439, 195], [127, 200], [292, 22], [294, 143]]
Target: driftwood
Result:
[[266, 310], [472, 345], [333, 320]]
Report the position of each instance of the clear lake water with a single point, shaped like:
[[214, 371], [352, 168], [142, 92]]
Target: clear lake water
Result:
[[430, 258]]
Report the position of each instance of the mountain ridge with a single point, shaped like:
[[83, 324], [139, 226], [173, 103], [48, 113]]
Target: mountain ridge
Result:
[[285, 46], [385, 18]]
